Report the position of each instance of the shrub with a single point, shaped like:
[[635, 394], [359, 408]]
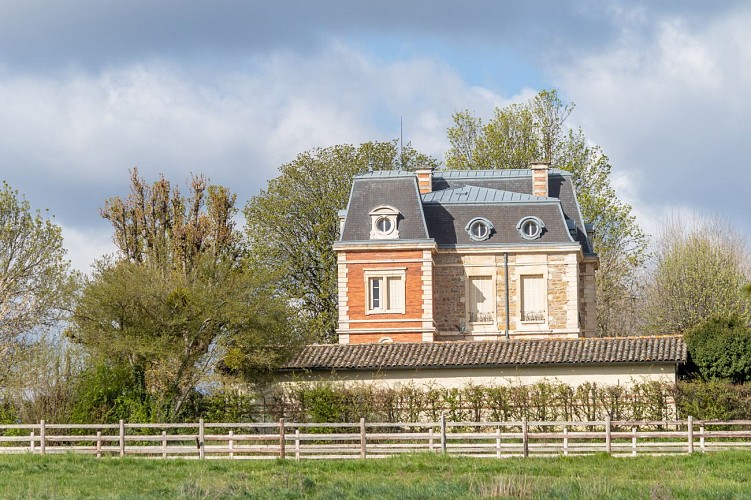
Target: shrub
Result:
[[720, 349]]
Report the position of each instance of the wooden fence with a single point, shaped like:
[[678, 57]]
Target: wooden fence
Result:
[[363, 439]]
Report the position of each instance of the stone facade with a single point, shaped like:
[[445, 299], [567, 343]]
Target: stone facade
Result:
[[561, 275]]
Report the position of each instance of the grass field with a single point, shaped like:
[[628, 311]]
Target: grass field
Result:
[[718, 475]]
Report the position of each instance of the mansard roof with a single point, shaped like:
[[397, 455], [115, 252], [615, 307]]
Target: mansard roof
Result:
[[503, 197], [621, 350]]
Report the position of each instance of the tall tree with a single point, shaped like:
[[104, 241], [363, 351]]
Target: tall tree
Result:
[[178, 299], [36, 284], [520, 134], [699, 270], [292, 225]]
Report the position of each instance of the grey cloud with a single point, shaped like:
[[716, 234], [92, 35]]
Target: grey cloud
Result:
[[52, 35], [672, 112]]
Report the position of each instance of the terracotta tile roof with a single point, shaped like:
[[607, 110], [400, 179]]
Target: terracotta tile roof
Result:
[[496, 353]]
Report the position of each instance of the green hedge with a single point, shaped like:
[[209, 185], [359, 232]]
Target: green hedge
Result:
[[337, 402]]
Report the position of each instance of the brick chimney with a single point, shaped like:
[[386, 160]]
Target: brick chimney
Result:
[[425, 180], [540, 178]]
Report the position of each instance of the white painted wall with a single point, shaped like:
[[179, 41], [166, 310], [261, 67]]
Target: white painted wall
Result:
[[618, 374]]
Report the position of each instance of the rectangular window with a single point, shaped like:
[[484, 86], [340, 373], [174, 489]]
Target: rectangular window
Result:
[[375, 293], [481, 303], [533, 298], [385, 289]]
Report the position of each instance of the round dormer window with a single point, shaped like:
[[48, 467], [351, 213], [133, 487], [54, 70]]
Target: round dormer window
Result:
[[384, 225], [479, 229], [530, 228], [384, 220]]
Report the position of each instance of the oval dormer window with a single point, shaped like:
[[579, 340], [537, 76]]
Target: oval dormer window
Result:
[[530, 228], [384, 220], [479, 229], [384, 225]]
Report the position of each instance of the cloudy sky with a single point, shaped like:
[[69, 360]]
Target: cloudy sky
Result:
[[233, 89]]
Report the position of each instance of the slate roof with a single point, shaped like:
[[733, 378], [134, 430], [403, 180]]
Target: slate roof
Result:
[[502, 196], [620, 350], [560, 186], [387, 187]]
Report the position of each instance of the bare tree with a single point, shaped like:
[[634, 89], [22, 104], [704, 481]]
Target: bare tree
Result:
[[699, 269]]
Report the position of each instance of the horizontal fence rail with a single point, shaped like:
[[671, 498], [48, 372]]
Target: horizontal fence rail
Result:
[[289, 440]]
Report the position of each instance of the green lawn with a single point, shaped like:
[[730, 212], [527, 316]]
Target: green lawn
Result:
[[718, 475]]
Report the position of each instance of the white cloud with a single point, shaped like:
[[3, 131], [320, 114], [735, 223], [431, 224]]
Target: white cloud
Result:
[[85, 245], [669, 104], [71, 139]]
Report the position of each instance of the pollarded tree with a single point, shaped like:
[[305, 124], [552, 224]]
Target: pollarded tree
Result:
[[292, 225], [520, 134], [700, 268], [36, 285], [178, 300]]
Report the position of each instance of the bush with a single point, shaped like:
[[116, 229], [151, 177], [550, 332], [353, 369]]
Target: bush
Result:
[[110, 392], [720, 349], [713, 400]]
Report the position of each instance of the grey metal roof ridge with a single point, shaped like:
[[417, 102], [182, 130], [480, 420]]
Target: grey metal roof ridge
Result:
[[498, 172], [385, 174], [437, 196]]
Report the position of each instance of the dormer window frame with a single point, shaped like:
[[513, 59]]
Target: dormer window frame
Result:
[[479, 229], [530, 227], [384, 222]]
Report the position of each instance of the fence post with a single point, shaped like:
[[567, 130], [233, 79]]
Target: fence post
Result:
[[690, 434], [201, 439], [443, 433], [565, 440], [122, 437], [31, 442], [525, 437], [164, 444], [282, 439], [99, 443], [633, 441], [42, 437], [608, 443], [498, 442], [431, 448], [231, 444], [701, 438], [297, 444], [363, 438]]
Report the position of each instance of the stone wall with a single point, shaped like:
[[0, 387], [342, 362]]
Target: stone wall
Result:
[[559, 270]]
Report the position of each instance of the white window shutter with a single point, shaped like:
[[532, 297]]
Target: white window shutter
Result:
[[396, 293], [481, 299], [533, 298]]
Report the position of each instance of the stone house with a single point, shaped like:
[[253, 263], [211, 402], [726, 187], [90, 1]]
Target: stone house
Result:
[[501, 259]]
